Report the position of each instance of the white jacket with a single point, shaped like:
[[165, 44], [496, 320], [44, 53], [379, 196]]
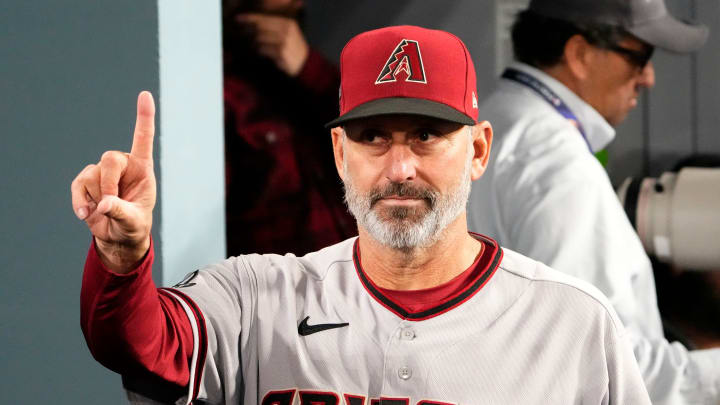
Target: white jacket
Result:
[[546, 196]]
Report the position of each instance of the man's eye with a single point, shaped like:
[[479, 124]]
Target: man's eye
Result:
[[425, 136], [371, 136]]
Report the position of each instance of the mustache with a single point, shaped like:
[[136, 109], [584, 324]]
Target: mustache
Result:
[[404, 190]]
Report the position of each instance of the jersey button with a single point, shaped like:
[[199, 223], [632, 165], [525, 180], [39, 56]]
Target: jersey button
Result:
[[404, 373], [407, 334]]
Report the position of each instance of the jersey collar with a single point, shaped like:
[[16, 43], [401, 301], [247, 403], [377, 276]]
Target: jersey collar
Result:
[[484, 267]]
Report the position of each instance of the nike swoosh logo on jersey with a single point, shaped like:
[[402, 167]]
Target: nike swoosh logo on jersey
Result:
[[304, 329]]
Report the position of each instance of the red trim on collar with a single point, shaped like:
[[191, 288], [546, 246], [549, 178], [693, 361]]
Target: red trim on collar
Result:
[[427, 303]]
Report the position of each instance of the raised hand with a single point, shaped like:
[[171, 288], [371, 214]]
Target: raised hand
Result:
[[116, 196], [280, 39]]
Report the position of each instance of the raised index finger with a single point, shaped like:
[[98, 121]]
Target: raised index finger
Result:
[[142, 146]]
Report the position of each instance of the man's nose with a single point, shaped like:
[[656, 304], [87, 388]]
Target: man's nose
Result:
[[400, 166], [647, 76]]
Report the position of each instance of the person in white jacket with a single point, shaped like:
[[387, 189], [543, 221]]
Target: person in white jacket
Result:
[[580, 67]]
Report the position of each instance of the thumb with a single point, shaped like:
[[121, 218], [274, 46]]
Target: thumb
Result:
[[119, 210]]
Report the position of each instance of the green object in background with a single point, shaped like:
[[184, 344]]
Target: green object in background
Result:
[[602, 156]]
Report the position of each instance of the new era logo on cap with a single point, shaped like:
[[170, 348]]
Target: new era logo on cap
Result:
[[407, 70], [405, 59]]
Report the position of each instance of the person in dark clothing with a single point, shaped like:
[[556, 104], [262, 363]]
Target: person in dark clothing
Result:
[[283, 194]]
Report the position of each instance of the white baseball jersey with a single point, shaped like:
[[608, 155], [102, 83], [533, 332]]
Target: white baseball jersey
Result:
[[312, 330]]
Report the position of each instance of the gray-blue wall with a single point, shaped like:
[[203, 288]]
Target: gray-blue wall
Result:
[[69, 77], [70, 73]]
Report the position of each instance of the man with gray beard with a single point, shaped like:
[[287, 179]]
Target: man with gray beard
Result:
[[404, 228], [415, 310]]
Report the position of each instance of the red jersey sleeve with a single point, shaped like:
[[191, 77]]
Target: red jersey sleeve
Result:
[[130, 326]]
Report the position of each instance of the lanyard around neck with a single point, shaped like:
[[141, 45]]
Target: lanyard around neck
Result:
[[545, 92]]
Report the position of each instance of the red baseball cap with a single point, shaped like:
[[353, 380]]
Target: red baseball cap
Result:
[[407, 70]]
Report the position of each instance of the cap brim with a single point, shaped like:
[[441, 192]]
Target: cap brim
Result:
[[403, 105], [670, 34]]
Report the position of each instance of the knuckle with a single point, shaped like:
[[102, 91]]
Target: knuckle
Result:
[[110, 157], [84, 180], [83, 172], [87, 173], [79, 180]]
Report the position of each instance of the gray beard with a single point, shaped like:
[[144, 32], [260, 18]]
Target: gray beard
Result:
[[404, 228]]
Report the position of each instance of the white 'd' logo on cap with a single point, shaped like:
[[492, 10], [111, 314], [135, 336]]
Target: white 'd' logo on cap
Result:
[[406, 58]]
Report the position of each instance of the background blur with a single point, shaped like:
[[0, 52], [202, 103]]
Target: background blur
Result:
[[69, 77]]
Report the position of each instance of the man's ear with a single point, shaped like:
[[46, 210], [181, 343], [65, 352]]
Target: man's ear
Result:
[[337, 134], [482, 135], [579, 56]]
